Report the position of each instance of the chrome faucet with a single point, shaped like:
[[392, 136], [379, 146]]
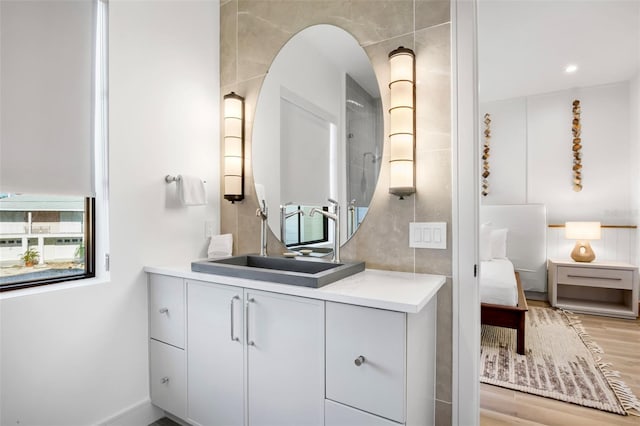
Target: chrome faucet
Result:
[[262, 213], [284, 216], [335, 216]]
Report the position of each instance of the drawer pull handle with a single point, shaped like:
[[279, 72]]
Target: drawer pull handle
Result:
[[233, 337], [594, 278], [164, 310], [164, 380], [359, 361], [246, 319]]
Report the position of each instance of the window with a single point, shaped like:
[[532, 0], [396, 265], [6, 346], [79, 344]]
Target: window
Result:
[[57, 149], [45, 239], [305, 229]]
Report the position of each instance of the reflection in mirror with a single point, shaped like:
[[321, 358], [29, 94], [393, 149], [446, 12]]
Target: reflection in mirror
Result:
[[299, 228], [317, 135]]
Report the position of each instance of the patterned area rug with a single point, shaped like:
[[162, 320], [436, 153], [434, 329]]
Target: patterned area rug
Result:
[[560, 362]]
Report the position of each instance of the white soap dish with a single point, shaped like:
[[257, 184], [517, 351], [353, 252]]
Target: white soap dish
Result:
[[306, 252], [289, 254]]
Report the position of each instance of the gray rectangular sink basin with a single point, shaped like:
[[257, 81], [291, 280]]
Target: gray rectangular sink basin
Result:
[[306, 273]]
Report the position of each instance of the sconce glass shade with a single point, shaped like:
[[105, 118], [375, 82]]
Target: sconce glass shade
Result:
[[402, 119], [582, 232], [233, 147]]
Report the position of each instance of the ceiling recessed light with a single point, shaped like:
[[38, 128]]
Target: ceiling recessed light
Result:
[[570, 69]]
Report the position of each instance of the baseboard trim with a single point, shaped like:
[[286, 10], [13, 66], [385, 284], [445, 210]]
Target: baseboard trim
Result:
[[139, 414]]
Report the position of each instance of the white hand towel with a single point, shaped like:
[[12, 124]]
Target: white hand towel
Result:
[[191, 191], [220, 245]]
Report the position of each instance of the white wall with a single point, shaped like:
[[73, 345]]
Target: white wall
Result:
[[507, 151], [547, 166], [79, 356], [606, 149]]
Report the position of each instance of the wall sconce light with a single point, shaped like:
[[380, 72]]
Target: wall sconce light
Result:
[[402, 119], [233, 147], [582, 232]]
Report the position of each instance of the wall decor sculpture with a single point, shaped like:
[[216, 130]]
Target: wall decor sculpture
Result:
[[485, 155], [577, 146]]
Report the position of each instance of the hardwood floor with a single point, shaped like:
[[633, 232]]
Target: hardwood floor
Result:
[[620, 341]]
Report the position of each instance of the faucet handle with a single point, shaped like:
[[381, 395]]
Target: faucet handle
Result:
[[332, 201]]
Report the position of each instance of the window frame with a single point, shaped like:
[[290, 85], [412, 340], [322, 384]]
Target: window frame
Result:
[[90, 254]]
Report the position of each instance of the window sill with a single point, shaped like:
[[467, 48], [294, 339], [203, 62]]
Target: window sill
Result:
[[105, 278]]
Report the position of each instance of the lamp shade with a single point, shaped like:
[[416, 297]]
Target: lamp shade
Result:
[[402, 120], [233, 147], [582, 230]]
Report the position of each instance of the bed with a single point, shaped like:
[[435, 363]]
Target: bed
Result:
[[512, 245], [503, 314]]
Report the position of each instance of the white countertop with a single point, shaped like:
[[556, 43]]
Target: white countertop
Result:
[[395, 291]]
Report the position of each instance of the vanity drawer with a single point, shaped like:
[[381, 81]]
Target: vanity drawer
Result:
[[167, 378], [596, 277], [365, 359], [340, 415], [167, 309]]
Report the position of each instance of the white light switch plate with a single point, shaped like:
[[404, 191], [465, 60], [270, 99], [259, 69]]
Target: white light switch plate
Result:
[[428, 235]]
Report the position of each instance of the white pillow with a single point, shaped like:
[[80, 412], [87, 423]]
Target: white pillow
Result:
[[485, 242], [499, 243]]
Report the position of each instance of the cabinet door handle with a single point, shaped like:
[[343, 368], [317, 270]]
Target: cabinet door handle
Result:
[[164, 380], [233, 337], [359, 361], [164, 310], [594, 278], [246, 319]]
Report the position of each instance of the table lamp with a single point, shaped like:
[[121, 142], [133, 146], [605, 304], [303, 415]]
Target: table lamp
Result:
[[582, 232]]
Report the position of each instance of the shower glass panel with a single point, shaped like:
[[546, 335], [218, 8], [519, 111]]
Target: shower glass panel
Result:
[[363, 120]]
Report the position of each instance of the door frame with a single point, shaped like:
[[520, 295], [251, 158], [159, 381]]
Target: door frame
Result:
[[466, 300]]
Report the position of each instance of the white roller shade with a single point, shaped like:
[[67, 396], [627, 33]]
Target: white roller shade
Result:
[[46, 91]]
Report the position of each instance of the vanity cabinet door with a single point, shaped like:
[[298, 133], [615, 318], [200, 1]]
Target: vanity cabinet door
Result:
[[215, 341], [366, 356], [285, 359]]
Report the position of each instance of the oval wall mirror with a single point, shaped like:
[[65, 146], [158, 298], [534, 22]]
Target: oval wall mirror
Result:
[[318, 134]]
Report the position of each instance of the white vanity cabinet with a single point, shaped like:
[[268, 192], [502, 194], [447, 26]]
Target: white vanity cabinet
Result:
[[254, 349], [360, 352], [167, 361]]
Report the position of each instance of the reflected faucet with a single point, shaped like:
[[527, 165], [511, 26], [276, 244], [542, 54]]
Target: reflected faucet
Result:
[[283, 218], [351, 225], [335, 216], [262, 213]]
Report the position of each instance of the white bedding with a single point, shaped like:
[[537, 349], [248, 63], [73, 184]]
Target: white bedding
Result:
[[498, 282]]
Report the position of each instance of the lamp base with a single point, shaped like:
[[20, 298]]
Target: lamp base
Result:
[[583, 252]]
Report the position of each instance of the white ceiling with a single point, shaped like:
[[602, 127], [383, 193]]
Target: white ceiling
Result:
[[524, 45]]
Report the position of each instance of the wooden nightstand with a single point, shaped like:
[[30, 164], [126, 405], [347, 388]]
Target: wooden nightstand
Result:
[[599, 288]]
